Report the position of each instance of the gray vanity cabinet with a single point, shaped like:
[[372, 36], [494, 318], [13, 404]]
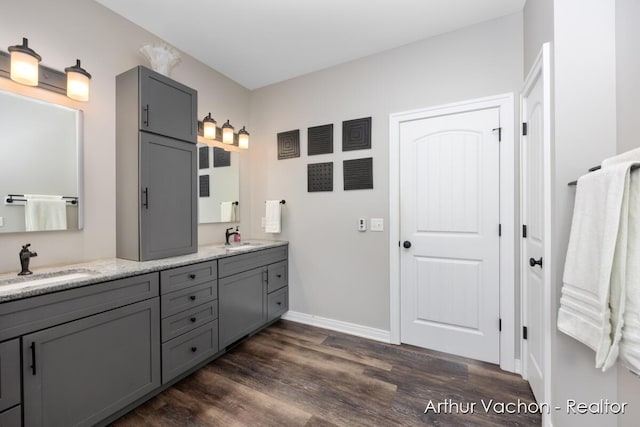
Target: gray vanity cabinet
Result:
[[156, 169], [80, 372]]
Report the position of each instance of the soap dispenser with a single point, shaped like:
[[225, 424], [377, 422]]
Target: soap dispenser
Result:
[[236, 237]]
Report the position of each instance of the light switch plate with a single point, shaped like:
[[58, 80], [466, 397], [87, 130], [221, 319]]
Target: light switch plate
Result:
[[377, 224], [362, 224]]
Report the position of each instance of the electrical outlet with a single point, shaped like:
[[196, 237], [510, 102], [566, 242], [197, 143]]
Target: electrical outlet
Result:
[[377, 224], [362, 224]]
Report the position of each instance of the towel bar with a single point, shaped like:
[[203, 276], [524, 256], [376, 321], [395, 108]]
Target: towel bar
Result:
[[11, 198], [595, 168]]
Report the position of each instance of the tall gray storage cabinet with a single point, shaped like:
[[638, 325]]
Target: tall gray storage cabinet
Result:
[[156, 169]]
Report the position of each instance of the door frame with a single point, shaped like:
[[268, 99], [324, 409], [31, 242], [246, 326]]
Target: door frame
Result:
[[541, 69], [505, 103]]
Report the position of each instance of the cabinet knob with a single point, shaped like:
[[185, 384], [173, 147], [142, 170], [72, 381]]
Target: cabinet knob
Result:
[[194, 349], [192, 276], [193, 320], [278, 275], [192, 297], [279, 303]]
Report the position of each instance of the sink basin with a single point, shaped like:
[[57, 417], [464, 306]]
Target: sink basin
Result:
[[244, 246], [44, 279]]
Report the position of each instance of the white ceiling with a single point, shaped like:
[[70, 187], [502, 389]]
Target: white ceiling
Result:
[[260, 42]]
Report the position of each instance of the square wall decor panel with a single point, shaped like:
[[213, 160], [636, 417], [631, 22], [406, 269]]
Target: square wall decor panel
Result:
[[320, 140], [204, 185], [289, 144], [356, 134], [203, 158], [320, 177], [358, 174], [221, 158]]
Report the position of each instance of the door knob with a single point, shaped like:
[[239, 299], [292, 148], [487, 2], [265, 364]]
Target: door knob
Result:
[[533, 262], [406, 244]]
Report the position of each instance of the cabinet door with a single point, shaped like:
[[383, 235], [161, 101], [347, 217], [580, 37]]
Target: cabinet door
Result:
[[169, 211], [242, 304], [167, 107], [9, 374], [78, 373]]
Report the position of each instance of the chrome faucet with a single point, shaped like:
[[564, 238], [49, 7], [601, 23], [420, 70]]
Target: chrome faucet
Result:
[[25, 257], [228, 234]]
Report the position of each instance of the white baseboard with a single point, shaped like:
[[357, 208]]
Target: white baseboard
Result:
[[338, 325]]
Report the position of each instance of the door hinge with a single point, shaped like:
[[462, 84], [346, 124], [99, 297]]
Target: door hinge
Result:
[[524, 128], [524, 231], [524, 332], [499, 229], [499, 129], [500, 325]]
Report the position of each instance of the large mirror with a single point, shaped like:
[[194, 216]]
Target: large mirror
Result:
[[40, 165], [219, 185]]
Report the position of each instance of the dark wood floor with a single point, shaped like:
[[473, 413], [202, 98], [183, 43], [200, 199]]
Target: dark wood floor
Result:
[[296, 375]]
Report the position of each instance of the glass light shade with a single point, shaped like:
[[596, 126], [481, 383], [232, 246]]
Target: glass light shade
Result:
[[209, 127], [227, 133], [243, 138], [24, 64], [77, 82]]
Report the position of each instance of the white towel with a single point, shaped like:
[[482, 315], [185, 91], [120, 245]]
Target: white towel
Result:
[[272, 216], [596, 235], [44, 212], [227, 212], [627, 156]]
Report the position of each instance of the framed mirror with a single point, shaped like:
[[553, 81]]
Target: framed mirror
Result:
[[40, 165], [219, 185]]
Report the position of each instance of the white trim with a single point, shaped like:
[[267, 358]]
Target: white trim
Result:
[[338, 325], [505, 102], [541, 68], [518, 366]]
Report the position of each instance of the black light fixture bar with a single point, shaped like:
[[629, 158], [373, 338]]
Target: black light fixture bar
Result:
[[49, 79], [218, 134]]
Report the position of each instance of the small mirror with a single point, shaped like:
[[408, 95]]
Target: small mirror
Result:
[[40, 165], [219, 185]]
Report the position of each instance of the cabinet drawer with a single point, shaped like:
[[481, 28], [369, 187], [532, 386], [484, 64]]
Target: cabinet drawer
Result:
[[11, 417], [277, 277], [239, 263], [186, 351], [185, 321], [187, 298], [32, 314], [190, 275], [277, 303], [9, 374]]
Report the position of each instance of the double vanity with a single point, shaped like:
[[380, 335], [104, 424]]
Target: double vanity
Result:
[[85, 345]]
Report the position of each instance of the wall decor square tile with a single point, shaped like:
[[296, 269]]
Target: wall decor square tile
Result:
[[320, 177], [204, 186], [358, 174], [203, 158], [356, 134], [289, 144], [221, 158], [320, 140]]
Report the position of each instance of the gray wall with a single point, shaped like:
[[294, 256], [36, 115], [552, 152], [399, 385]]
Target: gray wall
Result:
[[538, 28], [337, 272], [107, 44]]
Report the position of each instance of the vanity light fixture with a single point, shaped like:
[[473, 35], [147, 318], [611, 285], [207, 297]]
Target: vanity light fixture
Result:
[[243, 138], [24, 64], [227, 133], [209, 127], [77, 82]]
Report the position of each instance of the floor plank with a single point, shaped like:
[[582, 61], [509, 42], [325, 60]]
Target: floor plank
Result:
[[297, 375]]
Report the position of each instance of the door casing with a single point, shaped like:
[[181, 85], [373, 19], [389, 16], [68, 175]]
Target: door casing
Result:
[[505, 103]]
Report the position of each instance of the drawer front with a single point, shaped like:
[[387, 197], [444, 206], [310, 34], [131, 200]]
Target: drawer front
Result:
[[187, 298], [239, 263], [31, 314], [277, 303], [277, 277], [11, 418], [9, 374], [188, 350], [190, 275], [185, 321]]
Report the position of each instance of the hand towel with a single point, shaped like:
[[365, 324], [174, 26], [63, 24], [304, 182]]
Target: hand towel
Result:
[[226, 212], [627, 156], [272, 222], [585, 312], [44, 212], [630, 342]]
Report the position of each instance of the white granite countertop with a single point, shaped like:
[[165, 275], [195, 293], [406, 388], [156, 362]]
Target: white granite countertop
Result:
[[44, 280]]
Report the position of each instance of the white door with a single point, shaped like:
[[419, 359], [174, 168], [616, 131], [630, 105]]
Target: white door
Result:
[[534, 208], [449, 214]]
